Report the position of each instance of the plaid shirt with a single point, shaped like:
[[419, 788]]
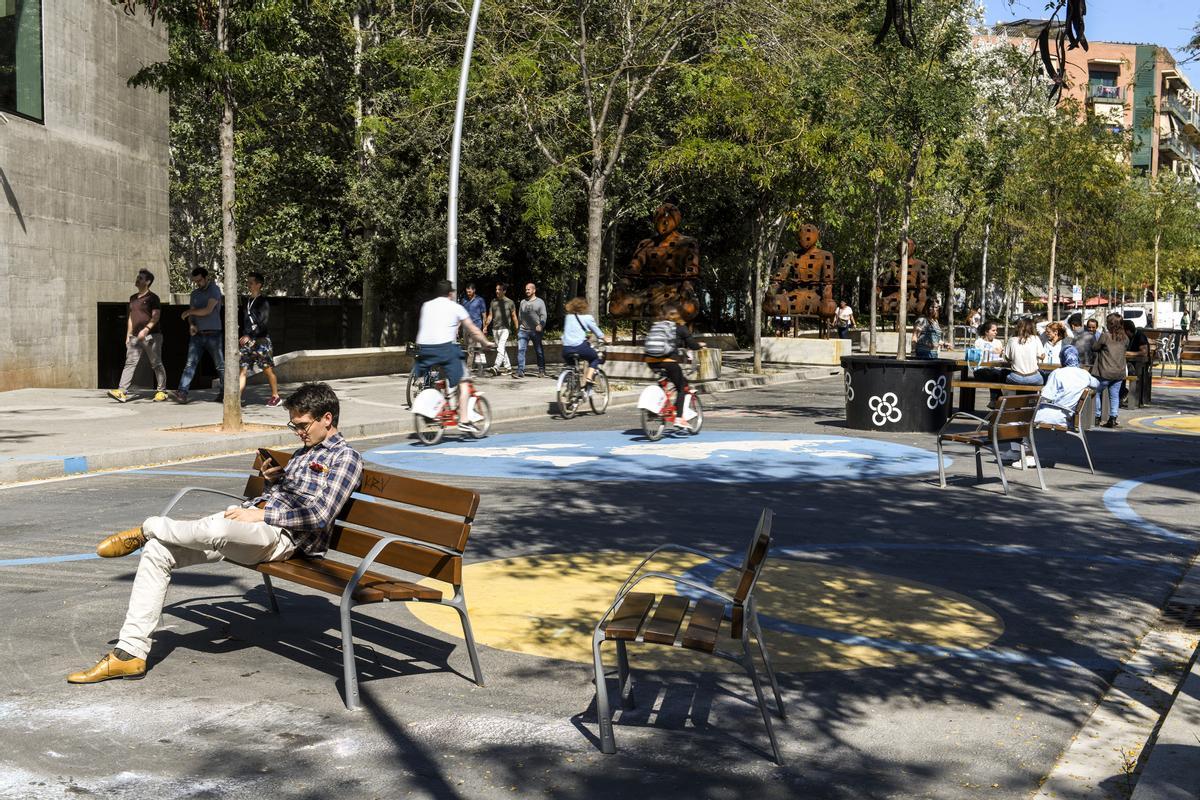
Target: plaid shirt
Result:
[[315, 485]]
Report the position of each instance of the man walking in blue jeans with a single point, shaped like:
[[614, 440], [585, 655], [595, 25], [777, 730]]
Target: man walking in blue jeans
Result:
[[532, 320], [204, 323]]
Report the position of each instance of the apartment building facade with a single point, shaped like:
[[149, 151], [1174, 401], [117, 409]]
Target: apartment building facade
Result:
[[1138, 87]]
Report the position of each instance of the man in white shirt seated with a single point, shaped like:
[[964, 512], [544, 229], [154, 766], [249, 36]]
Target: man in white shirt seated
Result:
[[1064, 386]]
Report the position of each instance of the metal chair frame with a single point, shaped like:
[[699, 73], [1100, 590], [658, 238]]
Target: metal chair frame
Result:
[[999, 427], [745, 659], [1075, 426]]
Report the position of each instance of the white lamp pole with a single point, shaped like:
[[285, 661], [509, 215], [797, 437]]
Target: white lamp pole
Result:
[[455, 148]]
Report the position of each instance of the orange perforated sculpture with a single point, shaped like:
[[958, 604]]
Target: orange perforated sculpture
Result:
[[803, 284], [665, 268], [918, 285]]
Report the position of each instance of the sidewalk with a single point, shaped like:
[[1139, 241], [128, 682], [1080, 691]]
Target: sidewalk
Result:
[[48, 433]]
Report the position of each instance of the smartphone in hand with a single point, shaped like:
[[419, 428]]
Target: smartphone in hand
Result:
[[267, 461]]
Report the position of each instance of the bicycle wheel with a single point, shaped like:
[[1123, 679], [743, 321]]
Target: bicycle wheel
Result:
[[697, 422], [484, 425], [568, 394], [652, 425], [413, 387], [429, 429], [601, 393]]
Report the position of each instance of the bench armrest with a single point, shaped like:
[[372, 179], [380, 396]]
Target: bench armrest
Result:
[[680, 547], [697, 585], [963, 415], [189, 489], [399, 537]]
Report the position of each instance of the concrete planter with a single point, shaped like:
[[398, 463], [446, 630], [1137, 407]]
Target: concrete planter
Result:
[[786, 350], [885, 394]]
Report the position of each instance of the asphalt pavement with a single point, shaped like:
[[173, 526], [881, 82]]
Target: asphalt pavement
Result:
[[931, 643]]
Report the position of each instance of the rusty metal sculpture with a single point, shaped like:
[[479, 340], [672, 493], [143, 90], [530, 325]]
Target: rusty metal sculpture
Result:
[[664, 269], [803, 284], [918, 285]]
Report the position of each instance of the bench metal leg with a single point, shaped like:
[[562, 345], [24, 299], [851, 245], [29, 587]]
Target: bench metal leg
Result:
[[624, 684], [978, 465], [459, 604], [1037, 462], [1000, 466], [270, 593], [608, 744], [349, 670], [941, 465], [762, 648], [1083, 440], [748, 663]]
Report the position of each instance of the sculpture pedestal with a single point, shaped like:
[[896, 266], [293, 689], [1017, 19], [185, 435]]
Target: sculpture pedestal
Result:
[[825, 352]]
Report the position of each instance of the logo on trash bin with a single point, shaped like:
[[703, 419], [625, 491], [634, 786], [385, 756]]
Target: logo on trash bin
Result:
[[849, 389], [886, 408], [936, 391]]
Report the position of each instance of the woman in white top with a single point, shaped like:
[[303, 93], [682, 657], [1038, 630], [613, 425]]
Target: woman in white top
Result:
[[1056, 334], [1023, 353], [993, 348]]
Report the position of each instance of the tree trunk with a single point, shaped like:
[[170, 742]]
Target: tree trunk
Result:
[[368, 267], [954, 245], [1052, 288], [232, 418], [902, 314], [595, 242], [756, 301], [875, 267], [1157, 242]]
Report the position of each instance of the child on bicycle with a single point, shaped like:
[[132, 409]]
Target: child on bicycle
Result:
[[576, 328], [666, 338]]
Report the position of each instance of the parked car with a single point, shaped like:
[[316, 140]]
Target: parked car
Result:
[[1137, 315]]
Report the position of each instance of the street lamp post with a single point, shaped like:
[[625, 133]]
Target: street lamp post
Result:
[[456, 148]]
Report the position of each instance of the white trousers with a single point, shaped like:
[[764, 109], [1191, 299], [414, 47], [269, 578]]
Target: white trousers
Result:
[[182, 543], [502, 361]]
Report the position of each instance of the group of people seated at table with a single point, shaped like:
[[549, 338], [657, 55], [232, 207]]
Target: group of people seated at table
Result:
[[1064, 360]]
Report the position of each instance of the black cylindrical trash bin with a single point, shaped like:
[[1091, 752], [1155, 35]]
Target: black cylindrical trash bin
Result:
[[886, 394]]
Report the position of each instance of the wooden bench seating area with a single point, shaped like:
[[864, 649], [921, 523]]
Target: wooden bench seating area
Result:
[[1010, 421], [413, 528]]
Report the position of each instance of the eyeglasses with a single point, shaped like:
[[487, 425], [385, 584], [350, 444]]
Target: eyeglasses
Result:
[[300, 428]]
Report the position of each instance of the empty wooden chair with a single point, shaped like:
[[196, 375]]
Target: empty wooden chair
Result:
[[1010, 421], [691, 622]]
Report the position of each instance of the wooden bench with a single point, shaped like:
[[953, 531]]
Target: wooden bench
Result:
[[966, 390], [1010, 421], [647, 618], [416, 527]]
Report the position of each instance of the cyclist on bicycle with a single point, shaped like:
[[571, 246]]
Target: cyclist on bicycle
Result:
[[664, 341], [576, 328], [437, 338]]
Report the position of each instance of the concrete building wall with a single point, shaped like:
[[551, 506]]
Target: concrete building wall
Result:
[[83, 197]]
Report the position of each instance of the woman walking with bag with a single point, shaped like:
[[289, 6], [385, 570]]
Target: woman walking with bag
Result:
[[1110, 367]]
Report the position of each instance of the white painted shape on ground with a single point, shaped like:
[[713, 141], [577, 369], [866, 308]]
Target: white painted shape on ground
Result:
[[516, 451], [702, 450], [563, 461]]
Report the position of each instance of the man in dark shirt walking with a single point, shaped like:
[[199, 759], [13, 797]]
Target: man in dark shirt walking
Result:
[[142, 338], [294, 514]]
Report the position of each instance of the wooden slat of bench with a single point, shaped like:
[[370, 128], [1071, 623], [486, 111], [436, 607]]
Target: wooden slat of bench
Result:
[[403, 521], [1020, 387], [667, 618], [633, 357], [424, 494], [627, 619], [701, 633], [410, 557], [332, 577]]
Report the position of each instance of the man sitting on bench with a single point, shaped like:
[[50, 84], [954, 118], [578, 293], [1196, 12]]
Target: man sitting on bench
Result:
[[294, 514]]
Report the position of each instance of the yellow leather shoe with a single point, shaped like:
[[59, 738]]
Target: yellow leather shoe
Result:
[[111, 667], [121, 544]]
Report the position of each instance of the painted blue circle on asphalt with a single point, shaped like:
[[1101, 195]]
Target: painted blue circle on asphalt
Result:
[[719, 456]]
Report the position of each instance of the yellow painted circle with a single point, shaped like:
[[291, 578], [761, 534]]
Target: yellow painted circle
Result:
[[547, 606], [1178, 423]]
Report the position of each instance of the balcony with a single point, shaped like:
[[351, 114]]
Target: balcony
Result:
[[1182, 148], [1186, 114], [1104, 94]]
